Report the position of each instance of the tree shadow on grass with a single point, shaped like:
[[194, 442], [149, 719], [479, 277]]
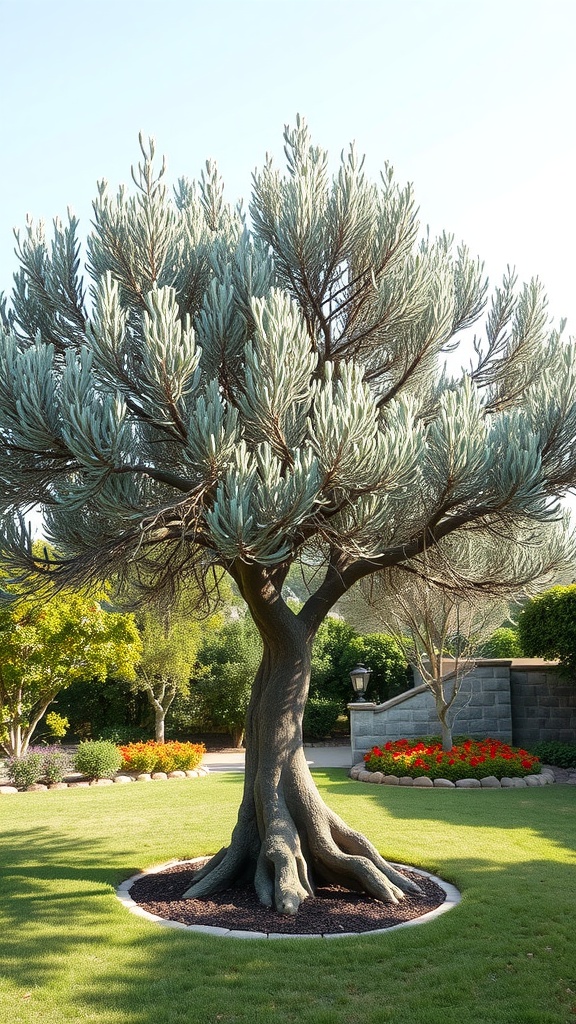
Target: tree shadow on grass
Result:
[[71, 951], [459, 962]]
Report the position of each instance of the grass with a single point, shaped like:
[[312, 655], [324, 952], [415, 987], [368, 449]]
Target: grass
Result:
[[71, 953]]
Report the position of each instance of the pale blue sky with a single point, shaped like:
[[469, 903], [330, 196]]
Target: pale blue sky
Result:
[[472, 100]]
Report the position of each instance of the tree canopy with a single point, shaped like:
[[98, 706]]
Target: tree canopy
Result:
[[243, 390], [46, 647]]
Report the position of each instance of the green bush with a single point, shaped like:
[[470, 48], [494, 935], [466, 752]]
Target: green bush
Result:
[[96, 709], [338, 648], [97, 759], [547, 626], [504, 643], [27, 769], [562, 755], [320, 717]]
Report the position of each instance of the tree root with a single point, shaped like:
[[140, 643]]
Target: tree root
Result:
[[290, 838]]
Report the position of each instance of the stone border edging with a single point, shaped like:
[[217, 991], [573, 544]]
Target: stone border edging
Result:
[[40, 787], [453, 897], [359, 773]]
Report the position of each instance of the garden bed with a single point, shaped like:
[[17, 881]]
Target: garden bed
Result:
[[473, 764]]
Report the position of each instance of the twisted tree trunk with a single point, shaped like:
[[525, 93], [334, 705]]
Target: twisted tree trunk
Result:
[[286, 839]]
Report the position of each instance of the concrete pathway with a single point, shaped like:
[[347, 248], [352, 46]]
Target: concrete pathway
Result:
[[317, 757]]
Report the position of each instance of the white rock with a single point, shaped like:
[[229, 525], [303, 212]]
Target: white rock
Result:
[[122, 779], [7, 790], [506, 782], [406, 780], [444, 784], [375, 777], [490, 782], [519, 784], [144, 777], [159, 775], [176, 775], [391, 780], [532, 780], [191, 773], [423, 781], [365, 776], [468, 784]]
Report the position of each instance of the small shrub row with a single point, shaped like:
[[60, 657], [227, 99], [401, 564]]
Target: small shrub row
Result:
[[562, 755], [470, 760], [161, 757], [38, 764]]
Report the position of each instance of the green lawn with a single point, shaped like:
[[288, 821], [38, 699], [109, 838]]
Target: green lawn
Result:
[[69, 951]]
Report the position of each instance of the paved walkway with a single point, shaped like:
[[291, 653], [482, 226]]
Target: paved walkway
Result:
[[317, 757]]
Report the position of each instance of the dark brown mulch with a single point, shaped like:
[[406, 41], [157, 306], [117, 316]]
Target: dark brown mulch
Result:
[[330, 911]]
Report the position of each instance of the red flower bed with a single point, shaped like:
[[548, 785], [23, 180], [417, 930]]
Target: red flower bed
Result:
[[161, 757], [473, 759]]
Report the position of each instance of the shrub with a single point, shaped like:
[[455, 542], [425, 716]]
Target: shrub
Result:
[[97, 759], [504, 643], [547, 626], [338, 648], [161, 757], [472, 759], [563, 755], [320, 717], [27, 769], [55, 764]]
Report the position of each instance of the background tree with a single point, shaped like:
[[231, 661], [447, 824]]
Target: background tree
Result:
[[170, 646], [338, 647], [46, 647], [220, 695], [440, 622], [547, 626], [504, 643], [245, 393]]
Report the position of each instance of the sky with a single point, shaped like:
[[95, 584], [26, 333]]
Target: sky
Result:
[[471, 100]]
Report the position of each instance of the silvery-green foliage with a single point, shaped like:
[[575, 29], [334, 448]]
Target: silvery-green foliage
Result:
[[240, 388]]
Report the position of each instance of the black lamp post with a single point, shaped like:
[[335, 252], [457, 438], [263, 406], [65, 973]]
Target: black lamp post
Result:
[[360, 677]]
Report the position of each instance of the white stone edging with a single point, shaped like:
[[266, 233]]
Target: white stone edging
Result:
[[40, 787], [453, 897], [360, 773]]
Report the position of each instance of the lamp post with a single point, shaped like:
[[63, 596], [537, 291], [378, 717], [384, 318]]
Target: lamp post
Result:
[[360, 677]]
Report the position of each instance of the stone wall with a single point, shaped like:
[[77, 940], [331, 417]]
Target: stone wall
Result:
[[482, 708], [543, 704]]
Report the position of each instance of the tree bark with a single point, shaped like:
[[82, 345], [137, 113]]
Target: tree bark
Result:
[[286, 839]]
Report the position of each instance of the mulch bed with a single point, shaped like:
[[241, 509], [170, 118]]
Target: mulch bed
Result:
[[331, 911]]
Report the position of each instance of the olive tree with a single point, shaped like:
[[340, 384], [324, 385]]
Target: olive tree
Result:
[[245, 390]]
